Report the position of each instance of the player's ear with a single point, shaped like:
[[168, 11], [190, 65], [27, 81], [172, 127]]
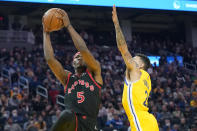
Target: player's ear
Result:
[[141, 65]]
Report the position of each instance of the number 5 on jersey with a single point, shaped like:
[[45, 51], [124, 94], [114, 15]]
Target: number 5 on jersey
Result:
[[80, 96]]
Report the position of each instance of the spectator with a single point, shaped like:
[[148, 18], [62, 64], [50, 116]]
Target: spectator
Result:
[[13, 101], [53, 93], [16, 92], [30, 125], [102, 116], [56, 116], [193, 102], [41, 124], [15, 117], [116, 122], [38, 104], [183, 124], [10, 126], [170, 99]]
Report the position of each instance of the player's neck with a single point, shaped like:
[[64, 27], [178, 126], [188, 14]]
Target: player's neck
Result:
[[80, 70]]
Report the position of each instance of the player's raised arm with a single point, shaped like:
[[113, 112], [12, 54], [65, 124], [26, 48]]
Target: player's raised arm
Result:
[[80, 44], [121, 43], [54, 65]]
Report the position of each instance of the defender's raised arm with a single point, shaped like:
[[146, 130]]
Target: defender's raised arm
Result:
[[121, 43]]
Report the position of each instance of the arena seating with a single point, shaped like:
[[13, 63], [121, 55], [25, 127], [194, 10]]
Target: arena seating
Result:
[[31, 97]]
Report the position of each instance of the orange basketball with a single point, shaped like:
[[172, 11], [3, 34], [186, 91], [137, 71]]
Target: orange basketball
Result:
[[50, 20]]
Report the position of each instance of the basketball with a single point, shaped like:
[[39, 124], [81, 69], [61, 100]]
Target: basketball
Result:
[[51, 21]]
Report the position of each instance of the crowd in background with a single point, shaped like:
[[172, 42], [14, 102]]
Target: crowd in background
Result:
[[173, 99], [151, 44]]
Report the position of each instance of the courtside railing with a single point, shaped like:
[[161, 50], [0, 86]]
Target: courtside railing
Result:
[[23, 83], [60, 100], [7, 74], [190, 67], [42, 91]]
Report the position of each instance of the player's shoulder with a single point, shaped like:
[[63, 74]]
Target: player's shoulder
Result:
[[145, 74]]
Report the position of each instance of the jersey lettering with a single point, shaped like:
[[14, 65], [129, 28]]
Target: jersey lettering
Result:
[[146, 84], [80, 82], [72, 87], [81, 97], [92, 88], [75, 83], [146, 99], [69, 90], [87, 84]]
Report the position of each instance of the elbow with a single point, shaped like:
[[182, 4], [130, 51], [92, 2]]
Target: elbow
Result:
[[122, 50], [122, 46]]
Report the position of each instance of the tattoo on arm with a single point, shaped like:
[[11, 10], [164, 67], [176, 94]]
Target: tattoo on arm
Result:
[[120, 37], [122, 46], [127, 55]]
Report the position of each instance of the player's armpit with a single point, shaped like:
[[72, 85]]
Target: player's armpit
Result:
[[58, 70]]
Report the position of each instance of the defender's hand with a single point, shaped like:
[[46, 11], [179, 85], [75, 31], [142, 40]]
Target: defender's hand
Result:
[[64, 17], [114, 15]]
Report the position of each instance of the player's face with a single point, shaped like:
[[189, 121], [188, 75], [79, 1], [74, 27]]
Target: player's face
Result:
[[78, 61], [138, 61]]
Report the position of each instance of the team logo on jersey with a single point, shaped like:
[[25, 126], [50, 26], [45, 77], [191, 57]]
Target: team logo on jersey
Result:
[[81, 82]]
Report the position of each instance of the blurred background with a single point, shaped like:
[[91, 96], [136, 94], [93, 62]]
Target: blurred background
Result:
[[31, 98]]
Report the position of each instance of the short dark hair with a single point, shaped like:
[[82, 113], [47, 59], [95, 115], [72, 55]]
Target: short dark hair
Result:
[[145, 59]]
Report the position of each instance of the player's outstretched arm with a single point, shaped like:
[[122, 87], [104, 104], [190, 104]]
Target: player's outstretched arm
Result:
[[53, 63], [121, 43], [92, 63]]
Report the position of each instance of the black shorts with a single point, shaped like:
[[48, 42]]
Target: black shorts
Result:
[[70, 121]]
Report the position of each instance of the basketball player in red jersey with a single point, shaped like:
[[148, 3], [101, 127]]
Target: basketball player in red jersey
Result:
[[82, 89]]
